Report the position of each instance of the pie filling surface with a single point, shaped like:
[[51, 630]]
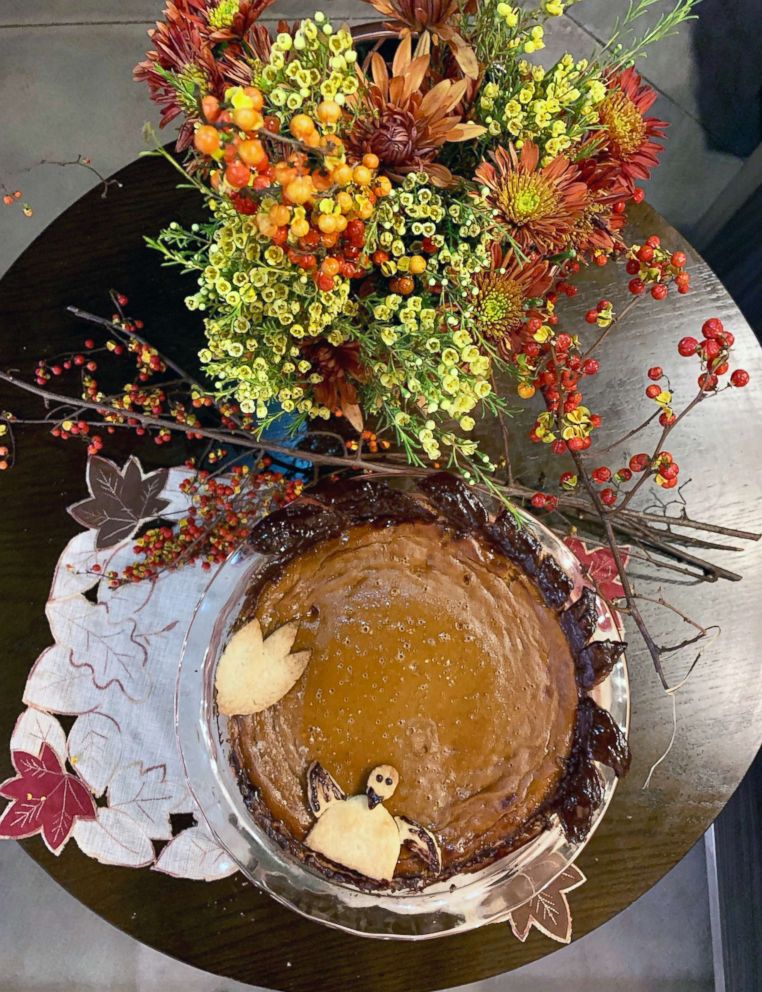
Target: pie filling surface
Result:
[[433, 652]]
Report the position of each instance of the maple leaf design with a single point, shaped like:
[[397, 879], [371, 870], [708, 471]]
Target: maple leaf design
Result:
[[45, 799], [107, 647], [548, 911], [120, 499], [194, 853], [599, 565], [255, 672]]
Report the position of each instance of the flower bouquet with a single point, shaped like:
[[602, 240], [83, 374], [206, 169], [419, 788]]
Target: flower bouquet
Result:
[[385, 232], [391, 225]]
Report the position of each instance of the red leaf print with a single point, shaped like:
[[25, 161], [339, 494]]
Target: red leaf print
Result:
[[36, 766], [45, 799], [600, 566]]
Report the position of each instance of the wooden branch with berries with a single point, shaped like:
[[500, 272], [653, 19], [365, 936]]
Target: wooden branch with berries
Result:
[[226, 497]]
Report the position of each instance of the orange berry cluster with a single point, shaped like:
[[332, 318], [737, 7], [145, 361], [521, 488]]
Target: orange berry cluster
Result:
[[370, 442], [306, 198], [318, 216]]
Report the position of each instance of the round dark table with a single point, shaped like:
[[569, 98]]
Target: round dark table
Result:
[[231, 928]]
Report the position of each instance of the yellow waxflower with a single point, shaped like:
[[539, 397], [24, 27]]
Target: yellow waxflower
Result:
[[509, 14]]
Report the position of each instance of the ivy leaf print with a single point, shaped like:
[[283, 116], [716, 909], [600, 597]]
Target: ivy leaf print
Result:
[[120, 500], [45, 799]]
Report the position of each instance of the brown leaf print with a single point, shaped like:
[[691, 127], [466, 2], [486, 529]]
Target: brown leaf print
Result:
[[549, 911], [120, 500]]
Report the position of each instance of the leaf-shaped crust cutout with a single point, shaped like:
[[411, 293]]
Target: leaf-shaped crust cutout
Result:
[[255, 673]]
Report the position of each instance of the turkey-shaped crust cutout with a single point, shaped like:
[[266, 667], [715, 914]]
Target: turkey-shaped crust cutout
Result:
[[357, 832]]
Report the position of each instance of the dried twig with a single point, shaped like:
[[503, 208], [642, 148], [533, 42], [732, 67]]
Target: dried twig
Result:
[[85, 163], [653, 648], [616, 320]]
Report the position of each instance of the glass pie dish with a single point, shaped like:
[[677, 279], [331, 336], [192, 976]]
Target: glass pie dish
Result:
[[461, 902]]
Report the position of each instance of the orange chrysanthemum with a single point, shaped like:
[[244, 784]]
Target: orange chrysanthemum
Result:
[[502, 294], [436, 17], [628, 132], [403, 125], [538, 205], [341, 367]]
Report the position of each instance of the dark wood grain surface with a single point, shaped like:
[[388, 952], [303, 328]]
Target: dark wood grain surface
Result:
[[229, 927]]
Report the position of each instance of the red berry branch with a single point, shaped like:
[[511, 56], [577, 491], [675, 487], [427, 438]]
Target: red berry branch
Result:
[[163, 401], [608, 490]]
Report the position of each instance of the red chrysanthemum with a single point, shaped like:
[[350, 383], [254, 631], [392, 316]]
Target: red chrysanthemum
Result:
[[502, 294], [236, 59], [629, 134], [182, 50], [536, 204], [598, 225], [199, 47]]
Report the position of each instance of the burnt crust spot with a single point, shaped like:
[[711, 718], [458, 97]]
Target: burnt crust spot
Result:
[[580, 620], [554, 584], [459, 506], [604, 739], [579, 796], [596, 738], [596, 660], [294, 528], [372, 500], [517, 543]]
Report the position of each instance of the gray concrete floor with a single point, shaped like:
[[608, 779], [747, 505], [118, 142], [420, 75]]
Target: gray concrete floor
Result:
[[65, 77], [65, 70], [660, 944]]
